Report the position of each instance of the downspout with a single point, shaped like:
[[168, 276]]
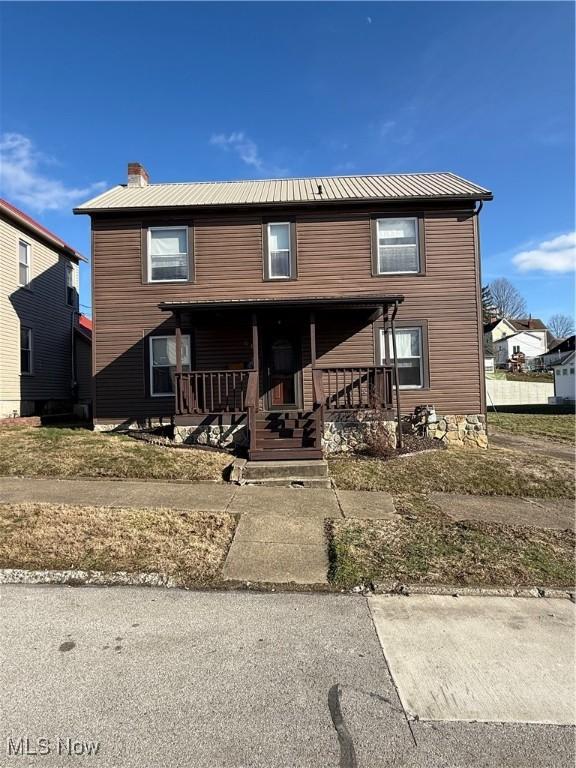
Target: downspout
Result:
[[483, 406]]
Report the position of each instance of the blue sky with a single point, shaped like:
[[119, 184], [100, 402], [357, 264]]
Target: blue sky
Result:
[[246, 90]]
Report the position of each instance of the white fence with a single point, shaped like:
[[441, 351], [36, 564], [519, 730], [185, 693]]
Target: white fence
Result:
[[500, 392]]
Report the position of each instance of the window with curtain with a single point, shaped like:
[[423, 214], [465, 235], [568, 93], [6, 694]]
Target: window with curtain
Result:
[[279, 246], [163, 363], [23, 262], [398, 249], [409, 351], [71, 294], [25, 349], [167, 254]]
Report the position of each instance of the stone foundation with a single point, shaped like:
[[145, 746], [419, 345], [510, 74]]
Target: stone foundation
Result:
[[347, 434], [214, 435], [460, 431]]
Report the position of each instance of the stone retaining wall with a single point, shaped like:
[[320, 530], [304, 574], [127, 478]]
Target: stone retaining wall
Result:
[[347, 434], [461, 431]]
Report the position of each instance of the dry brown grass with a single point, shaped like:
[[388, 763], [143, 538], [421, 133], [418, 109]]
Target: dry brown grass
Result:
[[190, 546], [58, 452], [496, 471], [425, 546], [556, 427]]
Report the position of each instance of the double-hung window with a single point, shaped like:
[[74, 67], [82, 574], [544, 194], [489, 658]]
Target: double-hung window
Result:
[[25, 349], [163, 363], [23, 262], [410, 356], [397, 246], [168, 254], [70, 286], [279, 257]]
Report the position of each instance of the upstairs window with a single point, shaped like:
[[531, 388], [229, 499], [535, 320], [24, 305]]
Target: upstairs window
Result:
[[25, 349], [163, 363], [280, 261], [397, 246], [168, 254], [23, 263], [516, 350], [71, 294], [410, 358]]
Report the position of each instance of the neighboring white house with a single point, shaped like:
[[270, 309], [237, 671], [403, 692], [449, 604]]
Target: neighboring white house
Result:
[[38, 311], [557, 352], [564, 381]]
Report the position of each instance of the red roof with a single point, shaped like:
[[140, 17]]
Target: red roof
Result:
[[85, 322], [40, 229]]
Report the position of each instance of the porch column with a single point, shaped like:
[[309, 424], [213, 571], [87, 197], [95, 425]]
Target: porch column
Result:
[[396, 382], [255, 351], [313, 339], [178, 342]]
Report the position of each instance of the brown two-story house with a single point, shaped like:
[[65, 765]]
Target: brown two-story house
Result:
[[285, 313]]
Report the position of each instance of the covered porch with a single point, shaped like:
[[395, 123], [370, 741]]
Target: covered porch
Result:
[[271, 371]]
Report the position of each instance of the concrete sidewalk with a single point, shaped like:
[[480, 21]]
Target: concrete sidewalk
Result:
[[202, 497]]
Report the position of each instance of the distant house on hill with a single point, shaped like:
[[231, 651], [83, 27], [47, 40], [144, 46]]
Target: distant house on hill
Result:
[[510, 339]]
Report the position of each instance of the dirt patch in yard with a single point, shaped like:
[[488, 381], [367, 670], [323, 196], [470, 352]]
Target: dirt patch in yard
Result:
[[424, 546], [62, 452], [495, 471], [190, 546]]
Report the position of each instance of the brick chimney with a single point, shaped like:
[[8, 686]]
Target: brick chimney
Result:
[[137, 175]]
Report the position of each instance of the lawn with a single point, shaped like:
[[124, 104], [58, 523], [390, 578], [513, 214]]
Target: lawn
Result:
[[492, 472], [189, 546], [425, 546], [60, 452], [558, 427]]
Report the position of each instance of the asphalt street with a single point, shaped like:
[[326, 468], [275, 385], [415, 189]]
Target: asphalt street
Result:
[[123, 677]]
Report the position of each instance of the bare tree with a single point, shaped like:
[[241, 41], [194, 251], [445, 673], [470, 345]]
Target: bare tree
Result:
[[561, 326], [507, 299]]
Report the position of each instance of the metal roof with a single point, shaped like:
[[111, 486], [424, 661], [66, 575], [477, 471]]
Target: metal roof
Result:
[[22, 219], [415, 186]]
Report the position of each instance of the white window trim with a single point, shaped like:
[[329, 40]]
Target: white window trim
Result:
[[149, 249], [391, 353], [151, 361], [269, 254], [31, 371], [378, 246], [28, 265]]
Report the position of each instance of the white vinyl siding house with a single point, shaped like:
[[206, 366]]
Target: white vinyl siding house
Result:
[[36, 320], [564, 379]]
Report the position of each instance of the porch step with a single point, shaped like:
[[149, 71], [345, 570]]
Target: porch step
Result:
[[289, 454], [284, 432], [304, 473], [276, 443]]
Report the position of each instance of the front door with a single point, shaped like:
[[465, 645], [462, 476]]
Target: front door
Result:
[[282, 366]]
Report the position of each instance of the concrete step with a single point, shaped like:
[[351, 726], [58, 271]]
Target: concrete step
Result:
[[294, 471]]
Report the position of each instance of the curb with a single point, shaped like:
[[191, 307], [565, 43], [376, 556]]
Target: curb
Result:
[[422, 589], [79, 578]]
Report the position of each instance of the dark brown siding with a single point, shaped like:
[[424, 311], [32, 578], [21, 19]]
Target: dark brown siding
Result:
[[334, 257]]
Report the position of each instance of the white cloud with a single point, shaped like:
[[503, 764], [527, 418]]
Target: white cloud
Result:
[[556, 255], [23, 181], [246, 149]]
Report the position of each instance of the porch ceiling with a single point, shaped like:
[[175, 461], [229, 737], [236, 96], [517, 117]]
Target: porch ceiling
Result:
[[366, 301]]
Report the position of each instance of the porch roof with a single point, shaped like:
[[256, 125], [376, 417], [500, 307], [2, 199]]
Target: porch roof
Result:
[[366, 301]]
